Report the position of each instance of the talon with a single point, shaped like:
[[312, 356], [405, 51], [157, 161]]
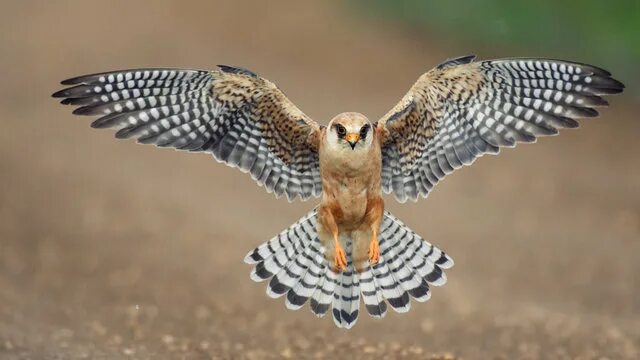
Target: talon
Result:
[[374, 250], [339, 259]]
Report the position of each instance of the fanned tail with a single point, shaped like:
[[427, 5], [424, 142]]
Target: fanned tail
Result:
[[294, 262]]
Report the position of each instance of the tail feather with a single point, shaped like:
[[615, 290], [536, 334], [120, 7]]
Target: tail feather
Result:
[[346, 299], [288, 275], [281, 241], [304, 288], [323, 296], [392, 291], [420, 293], [404, 275], [273, 263], [372, 294], [294, 261], [291, 276]]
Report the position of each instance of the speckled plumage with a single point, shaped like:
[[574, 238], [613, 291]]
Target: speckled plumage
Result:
[[348, 247], [242, 119], [461, 110]]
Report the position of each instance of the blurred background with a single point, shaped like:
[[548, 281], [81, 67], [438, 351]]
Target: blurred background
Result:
[[113, 250]]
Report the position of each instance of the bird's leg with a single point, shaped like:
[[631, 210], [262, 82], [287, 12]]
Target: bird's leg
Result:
[[340, 256], [330, 238], [375, 210], [374, 246]]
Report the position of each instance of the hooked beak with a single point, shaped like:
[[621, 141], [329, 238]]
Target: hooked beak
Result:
[[352, 139]]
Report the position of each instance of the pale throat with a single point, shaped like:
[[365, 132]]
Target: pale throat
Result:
[[347, 162]]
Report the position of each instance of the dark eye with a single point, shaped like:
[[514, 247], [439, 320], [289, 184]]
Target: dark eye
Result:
[[341, 130], [364, 130]]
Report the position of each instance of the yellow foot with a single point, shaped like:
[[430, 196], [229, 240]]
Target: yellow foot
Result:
[[339, 259], [374, 251]]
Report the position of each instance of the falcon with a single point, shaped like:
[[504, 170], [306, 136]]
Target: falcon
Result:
[[348, 247]]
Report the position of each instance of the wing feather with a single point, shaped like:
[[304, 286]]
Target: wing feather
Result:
[[242, 119], [462, 109]]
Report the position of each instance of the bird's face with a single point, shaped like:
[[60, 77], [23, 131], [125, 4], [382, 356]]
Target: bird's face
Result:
[[350, 131]]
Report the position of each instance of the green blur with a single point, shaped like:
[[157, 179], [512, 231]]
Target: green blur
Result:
[[604, 33]]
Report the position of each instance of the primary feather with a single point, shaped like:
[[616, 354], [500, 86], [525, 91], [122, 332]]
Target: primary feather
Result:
[[461, 110], [242, 119]]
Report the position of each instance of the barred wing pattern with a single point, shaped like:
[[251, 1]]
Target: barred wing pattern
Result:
[[294, 264], [244, 120], [462, 109]]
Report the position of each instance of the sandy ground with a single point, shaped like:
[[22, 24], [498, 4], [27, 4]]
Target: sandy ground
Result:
[[113, 250]]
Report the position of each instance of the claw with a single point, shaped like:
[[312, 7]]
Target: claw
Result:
[[339, 259]]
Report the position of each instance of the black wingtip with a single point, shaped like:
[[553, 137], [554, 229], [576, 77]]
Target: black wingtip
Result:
[[124, 133], [60, 93], [456, 61], [595, 101], [607, 83], [71, 81], [616, 85], [67, 101], [84, 110], [98, 124], [237, 70], [606, 90], [613, 91], [586, 112]]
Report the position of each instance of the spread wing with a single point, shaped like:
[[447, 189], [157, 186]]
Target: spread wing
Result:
[[462, 109], [244, 120]]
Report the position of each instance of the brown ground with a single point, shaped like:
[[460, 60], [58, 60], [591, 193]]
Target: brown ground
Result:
[[113, 250]]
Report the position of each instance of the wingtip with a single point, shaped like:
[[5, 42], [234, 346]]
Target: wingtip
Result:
[[60, 94], [124, 133], [616, 85], [96, 124], [84, 110], [67, 101], [588, 112], [466, 59], [236, 70], [70, 81]]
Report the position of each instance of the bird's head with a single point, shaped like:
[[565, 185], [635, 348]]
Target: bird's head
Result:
[[351, 131]]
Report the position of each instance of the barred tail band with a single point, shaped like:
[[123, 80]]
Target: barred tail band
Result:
[[294, 263]]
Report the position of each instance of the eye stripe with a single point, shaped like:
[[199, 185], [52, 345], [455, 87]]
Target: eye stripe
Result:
[[340, 130], [364, 130]]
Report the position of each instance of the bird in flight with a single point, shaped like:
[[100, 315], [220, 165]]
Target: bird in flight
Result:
[[348, 247]]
